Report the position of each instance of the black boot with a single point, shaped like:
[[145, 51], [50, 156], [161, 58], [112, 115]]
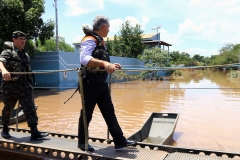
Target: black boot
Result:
[[82, 147], [5, 132], [35, 134]]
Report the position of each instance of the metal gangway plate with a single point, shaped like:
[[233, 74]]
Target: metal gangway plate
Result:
[[61, 146], [66, 148]]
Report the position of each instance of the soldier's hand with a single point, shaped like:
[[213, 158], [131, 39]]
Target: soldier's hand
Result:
[[6, 75]]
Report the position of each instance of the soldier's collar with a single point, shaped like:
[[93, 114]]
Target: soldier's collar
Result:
[[17, 50]]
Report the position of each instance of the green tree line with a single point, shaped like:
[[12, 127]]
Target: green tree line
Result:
[[25, 16], [50, 45], [228, 54]]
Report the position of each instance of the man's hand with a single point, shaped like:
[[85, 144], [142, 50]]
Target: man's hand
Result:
[[6, 75], [117, 65], [111, 68]]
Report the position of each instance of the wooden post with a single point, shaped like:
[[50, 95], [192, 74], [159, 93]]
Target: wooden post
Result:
[[109, 86], [17, 117], [80, 77]]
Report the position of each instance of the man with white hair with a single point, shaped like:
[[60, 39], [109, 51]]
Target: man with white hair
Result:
[[93, 53]]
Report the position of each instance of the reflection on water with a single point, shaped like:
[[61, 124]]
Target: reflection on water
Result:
[[208, 104]]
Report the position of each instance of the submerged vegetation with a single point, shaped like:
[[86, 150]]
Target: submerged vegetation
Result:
[[234, 74], [142, 75]]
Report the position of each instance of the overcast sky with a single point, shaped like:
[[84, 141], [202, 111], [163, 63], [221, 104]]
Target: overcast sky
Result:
[[192, 26]]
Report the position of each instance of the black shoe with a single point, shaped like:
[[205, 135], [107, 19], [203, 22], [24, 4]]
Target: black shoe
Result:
[[82, 147], [127, 143], [5, 133], [38, 135]]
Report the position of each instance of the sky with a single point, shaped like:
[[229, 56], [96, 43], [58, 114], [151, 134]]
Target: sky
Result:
[[192, 26]]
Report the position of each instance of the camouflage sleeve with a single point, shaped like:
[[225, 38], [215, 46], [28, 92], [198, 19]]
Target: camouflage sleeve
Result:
[[5, 56], [28, 57]]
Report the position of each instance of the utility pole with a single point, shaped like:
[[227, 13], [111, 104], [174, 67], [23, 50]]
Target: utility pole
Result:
[[57, 46], [157, 32]]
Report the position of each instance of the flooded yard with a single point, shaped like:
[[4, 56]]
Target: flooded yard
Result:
[[207, 101]]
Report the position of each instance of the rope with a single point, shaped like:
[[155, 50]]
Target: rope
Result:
[[131, 69], [45, 71], [167, 68]]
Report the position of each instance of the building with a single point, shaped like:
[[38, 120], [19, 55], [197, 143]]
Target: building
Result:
[[153, 40]]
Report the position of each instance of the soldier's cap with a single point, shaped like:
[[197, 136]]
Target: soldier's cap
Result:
[[16, 34]]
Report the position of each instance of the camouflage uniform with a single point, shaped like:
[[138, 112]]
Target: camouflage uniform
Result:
[[19, 87]]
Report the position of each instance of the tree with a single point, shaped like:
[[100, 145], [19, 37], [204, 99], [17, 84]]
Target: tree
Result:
[[175, 57], [227, 48], [24, 15], [154, 57], [116, 47], [227, 54], [185, 58], [129, 40], [109, 46], [198, 57], [50, 45]]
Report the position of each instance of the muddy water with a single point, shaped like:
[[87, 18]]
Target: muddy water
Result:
[[208, 104]]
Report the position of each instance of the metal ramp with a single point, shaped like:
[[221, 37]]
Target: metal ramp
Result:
[[158, 129], [60, 146]]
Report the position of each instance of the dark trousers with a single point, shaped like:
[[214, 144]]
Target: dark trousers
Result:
[[98, 93], [25, 100]]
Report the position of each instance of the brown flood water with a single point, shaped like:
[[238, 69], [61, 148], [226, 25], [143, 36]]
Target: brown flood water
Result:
[[207, 101]]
